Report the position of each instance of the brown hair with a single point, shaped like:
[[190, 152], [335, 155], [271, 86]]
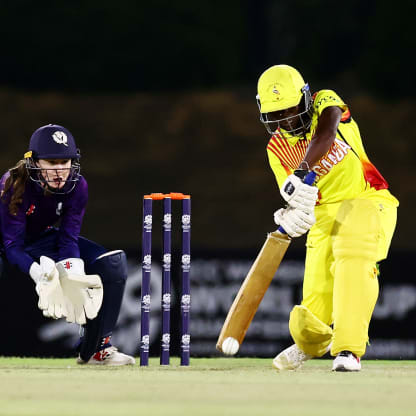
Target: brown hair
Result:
[[17, 180]]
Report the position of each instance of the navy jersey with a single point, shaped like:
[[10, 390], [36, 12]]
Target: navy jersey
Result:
[[36, 214]]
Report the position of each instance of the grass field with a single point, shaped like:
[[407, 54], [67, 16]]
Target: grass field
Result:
[[211, 386]]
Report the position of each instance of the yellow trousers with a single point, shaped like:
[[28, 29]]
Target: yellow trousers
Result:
[[340, 286]]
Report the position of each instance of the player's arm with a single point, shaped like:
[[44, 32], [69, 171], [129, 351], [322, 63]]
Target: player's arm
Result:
[[323, 138], [294, 191], [13, 234], [83, 294]]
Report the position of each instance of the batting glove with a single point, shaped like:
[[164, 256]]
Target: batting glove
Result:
[[294, 221], [298, 194]]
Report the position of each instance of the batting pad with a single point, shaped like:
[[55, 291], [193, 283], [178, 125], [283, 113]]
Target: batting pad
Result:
[[356, 240], [310, 334]]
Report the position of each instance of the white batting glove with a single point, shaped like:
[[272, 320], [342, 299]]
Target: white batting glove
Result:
[[83, 293], [294, 221], [48, 288], [298, 194]]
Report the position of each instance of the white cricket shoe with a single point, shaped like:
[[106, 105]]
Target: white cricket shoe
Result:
[[109, 356], [290, 359], [346, 361]]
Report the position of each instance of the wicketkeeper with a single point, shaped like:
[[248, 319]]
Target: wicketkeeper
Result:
[[75, 278], [349, 212]]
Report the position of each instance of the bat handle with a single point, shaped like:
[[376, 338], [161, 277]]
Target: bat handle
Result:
[[310, 178]]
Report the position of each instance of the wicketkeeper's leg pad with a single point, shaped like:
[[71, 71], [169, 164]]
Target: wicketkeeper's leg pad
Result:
[[112, 268], [310, 334]]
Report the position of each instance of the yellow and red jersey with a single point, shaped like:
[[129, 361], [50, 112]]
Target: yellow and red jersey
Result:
[[344, 171]]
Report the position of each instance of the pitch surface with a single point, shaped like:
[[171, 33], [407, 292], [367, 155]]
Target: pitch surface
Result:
[[210, 386]]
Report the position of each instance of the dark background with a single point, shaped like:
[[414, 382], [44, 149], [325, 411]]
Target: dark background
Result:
[[160, 97]]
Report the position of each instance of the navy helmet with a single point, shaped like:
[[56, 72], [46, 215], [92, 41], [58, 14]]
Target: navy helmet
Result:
[[53, 142]]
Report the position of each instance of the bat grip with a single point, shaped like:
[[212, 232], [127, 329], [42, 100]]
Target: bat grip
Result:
[[310, 178]]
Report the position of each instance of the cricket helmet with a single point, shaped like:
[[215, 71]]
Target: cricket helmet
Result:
[[53, 142], [281, 87]]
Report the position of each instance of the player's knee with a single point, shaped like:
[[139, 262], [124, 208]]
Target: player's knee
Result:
[[365, 247], [110, 266], [357, 230]]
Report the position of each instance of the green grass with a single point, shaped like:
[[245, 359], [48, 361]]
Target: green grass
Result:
[[211, 386]]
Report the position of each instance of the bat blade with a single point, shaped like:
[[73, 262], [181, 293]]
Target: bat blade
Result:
[[252, 290]]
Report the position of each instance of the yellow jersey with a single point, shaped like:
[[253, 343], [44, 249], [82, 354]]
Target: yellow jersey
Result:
[[344, 171]]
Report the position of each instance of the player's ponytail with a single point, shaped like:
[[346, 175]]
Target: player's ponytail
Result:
[[17, 181]]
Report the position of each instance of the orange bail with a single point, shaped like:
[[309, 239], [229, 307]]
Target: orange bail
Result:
[[173, 195], [177, 195], [155, 196]]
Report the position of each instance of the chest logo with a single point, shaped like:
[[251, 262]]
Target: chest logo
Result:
[[31, 210]]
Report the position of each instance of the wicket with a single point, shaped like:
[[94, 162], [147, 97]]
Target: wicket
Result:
[[166, 276]]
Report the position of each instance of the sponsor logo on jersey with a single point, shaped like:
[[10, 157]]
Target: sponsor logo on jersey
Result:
[[336, 154], [327, 99]]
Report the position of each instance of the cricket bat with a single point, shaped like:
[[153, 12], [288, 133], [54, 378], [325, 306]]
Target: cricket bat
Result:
[[253, 289]]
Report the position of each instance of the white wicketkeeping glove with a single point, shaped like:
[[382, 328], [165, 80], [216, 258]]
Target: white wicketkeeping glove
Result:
[[294, 221], [298, 194], [48, 288], [83, 293]]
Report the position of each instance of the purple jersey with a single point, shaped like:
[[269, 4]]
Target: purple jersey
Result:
[[36, 214]]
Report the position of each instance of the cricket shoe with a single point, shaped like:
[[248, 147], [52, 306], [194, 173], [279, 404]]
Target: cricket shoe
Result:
[[108, 356], [290, 359], [346, 361]]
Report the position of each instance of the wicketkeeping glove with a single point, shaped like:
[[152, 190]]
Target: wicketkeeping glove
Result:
[[83, 293], [298, 194], [294, 221], [48, 288]]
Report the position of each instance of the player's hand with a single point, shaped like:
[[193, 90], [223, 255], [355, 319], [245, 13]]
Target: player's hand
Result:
[[48, 288], [83, 293], [294, 221], [298, 194]]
